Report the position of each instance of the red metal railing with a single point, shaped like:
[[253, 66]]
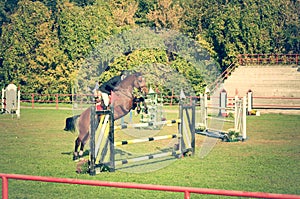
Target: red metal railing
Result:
[[56, 99], [220, 79], [258, 59], [186, 190], [171, 100]]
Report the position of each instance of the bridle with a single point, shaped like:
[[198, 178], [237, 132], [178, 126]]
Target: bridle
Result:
[[142, 88]]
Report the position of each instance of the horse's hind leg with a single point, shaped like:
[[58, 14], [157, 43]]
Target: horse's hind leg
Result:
[[77, 143]]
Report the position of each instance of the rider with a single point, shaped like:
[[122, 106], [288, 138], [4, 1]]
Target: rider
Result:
[[110, 85]]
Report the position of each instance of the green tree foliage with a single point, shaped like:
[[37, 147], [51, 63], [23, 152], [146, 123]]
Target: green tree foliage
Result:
[[164, 70], [248, 26], [19, 41], [166, 14], [144, 7], [44, 43], [42, 50], [51, 71], [7, 7], [123, 12], [145, 49], [82, 28]]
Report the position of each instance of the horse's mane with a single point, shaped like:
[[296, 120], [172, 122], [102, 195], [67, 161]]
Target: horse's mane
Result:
[[138, 74], [135, 74], [128, 81]]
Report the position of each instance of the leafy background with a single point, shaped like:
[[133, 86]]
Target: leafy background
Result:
[[45, 43]]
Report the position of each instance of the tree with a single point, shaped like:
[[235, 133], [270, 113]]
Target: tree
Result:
[[164, 70], [166, 14], [144, 7], [248, 26], [19, 42], [51, 72], [123, 12], [7, 7], [44, 43], [194, 13], [35, 60], [82, 29]]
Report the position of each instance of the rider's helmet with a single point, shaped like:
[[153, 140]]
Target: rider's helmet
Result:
[[124, 74]]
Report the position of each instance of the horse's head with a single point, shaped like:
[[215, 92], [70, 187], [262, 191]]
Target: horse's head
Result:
[[123, 95], [140, 83]]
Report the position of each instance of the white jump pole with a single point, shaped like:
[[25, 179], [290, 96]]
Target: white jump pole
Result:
[[244, 130], [18, 112], [205, 111]]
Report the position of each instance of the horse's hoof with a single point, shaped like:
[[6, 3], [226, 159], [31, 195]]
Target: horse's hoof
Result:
[[75, 158], [81, 157]]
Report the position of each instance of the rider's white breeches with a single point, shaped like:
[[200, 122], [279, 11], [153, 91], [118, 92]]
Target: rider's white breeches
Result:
[[105, 98]]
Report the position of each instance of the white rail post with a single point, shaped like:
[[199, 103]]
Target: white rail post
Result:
[[250, 100], [223, 103], [2, 100], [236, 110]]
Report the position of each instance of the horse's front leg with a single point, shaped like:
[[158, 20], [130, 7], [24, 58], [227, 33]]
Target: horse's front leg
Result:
[[81, 150], [145, 106]]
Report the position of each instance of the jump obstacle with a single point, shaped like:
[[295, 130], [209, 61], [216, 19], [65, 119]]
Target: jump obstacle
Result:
[[10, 100], [154, 103], [233, 134], [103, 144]]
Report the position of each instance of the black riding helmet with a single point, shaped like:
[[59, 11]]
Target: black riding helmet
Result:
[[124, 72]]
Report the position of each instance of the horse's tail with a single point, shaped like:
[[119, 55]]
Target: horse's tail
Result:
[[71, 123]]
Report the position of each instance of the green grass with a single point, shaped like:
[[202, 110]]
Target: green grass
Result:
[[36, 144]]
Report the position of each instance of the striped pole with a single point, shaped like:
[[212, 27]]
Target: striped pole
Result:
[[147, 157], [149, 139], [92, 142], [148, 124], [102, 137]]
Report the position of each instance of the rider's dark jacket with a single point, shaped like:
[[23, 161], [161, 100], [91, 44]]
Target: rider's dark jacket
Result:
[[109, 86]]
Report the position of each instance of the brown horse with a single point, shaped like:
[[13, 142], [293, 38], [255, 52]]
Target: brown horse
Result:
[[122, 101]]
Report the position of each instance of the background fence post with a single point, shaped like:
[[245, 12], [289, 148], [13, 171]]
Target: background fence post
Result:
[[32, 101], [56, 100]]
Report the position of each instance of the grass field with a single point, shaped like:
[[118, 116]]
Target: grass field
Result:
[[36, 144]]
